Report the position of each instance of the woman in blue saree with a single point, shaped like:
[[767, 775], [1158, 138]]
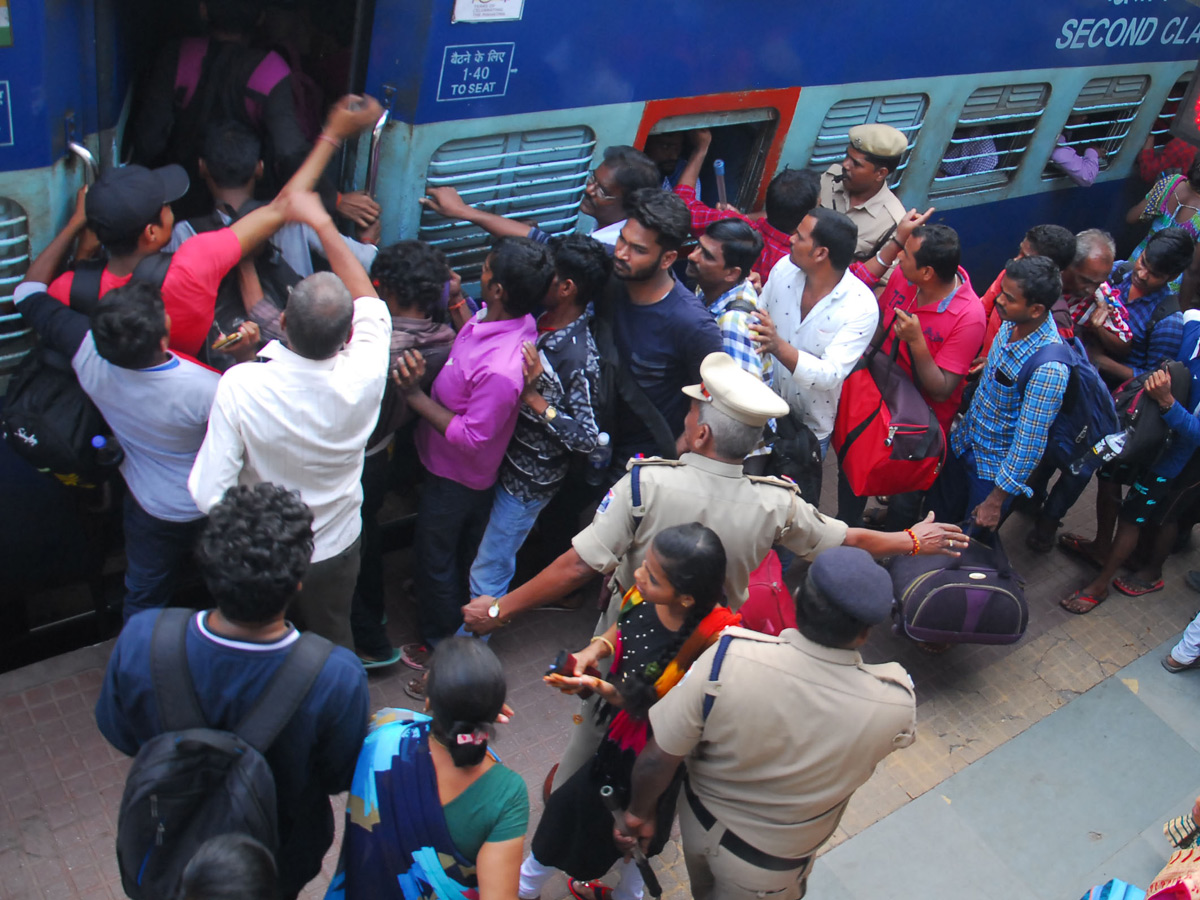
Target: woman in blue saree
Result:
[[431, 812]]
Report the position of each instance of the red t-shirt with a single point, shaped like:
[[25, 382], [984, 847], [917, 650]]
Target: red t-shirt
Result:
[[953, 331], [190, 289]]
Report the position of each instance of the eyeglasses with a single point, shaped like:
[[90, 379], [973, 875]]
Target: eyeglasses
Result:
[[601, 193]]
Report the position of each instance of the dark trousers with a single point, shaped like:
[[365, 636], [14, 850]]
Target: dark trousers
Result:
[[450, 522], [959, 489], [1065, 493], [366, 608], [323, 604], [902, 509], [155, 551]]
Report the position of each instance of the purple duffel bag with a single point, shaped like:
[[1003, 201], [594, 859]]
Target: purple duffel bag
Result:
[[976, 598]]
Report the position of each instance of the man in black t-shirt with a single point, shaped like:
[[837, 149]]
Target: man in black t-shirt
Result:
[[661, 331]]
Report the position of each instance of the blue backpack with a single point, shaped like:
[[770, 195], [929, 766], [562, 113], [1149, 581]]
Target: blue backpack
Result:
[[1087, 413]]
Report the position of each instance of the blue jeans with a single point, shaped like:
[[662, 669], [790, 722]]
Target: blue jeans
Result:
[[155, 550], [959, 489], [509, 524]]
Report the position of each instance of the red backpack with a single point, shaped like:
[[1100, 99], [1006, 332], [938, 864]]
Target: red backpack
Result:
[[887, 439]]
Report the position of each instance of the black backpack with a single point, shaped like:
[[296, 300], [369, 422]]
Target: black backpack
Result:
[[193, 782], [48, 419]]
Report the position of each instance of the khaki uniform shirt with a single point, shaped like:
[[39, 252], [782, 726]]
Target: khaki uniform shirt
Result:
[[874, 219], [748, 514], [794, 729]]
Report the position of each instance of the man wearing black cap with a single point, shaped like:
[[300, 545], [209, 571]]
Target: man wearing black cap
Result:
[[129, 210], [777, 733]]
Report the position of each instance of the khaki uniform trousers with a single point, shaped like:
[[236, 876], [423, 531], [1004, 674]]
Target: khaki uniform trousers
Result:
[[717, 874]]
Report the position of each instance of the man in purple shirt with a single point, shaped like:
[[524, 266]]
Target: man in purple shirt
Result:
[[467, 420]]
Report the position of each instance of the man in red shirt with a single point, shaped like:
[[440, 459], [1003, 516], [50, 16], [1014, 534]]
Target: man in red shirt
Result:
[[129, 210], [791, 195], [929, 305]]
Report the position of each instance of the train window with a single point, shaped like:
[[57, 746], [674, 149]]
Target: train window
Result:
[[990, 139], [741, 138], [1101, 117], [902, 111], [535, 176], [1161, 129], [15, 336]]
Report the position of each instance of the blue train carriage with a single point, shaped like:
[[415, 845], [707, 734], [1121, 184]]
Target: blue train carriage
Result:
[[510, 101]]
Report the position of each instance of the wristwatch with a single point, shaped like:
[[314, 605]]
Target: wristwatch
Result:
[[494, 610], [550, 414]]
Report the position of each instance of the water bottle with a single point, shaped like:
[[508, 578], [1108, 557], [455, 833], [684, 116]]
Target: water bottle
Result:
[[599, 459], [719, 176], [1105, 450], [109, 452]]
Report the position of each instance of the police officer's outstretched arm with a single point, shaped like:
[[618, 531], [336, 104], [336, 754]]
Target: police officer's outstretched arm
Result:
[[566, 574], [925, 538]]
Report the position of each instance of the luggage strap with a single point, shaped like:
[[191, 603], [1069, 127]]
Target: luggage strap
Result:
[[175, 692]]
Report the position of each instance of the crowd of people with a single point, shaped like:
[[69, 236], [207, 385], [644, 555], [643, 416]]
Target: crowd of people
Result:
[[269, 379]]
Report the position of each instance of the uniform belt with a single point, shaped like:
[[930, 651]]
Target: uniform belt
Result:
[[735, 844]]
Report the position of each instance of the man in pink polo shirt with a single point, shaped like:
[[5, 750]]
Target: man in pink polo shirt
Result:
[[930, 307], [467, 420]]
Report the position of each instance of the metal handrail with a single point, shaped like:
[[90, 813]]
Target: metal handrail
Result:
[[376, 143]]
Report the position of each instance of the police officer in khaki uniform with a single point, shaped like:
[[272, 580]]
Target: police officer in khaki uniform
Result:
[[858, 186], [777, 735], [707, 485]]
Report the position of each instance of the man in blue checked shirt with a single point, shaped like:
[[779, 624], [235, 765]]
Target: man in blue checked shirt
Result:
[[720, 265], [1001, 438]]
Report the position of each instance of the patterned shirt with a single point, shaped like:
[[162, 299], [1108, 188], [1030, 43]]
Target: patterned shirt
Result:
[[539, 452], [776, 244], [1152, 342], [738, 340], [1006, 431]]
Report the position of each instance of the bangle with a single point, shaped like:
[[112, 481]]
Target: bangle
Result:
[[879, 259], [612, 651], [333, 142], [916, 547], [455, 306]]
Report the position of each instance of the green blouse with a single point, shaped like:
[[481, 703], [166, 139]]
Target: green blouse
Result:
[[494, 808]]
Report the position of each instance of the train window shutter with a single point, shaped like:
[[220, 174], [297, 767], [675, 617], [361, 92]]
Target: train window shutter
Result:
[[1101, 117], [534, 176], [904, 112], [990, 139]]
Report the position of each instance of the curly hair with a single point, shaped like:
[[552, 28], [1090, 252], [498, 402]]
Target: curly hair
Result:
[[466, 691], [129, 325], [693, 559], [255, 550], [662, 212], [411, 273]]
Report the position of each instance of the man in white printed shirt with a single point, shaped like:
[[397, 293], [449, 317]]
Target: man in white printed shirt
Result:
[[816, 318], [302, 419]]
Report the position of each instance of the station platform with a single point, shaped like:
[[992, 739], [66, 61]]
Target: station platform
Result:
[[1039, 769]]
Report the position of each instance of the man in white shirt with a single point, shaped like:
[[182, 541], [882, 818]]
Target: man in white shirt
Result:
[[816, 318], [303, 417]]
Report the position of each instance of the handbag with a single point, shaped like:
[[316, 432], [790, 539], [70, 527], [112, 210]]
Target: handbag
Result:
[[975, 598], [1179, 878], [887, 439]]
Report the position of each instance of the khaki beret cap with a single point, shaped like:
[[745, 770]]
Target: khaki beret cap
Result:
[[878, 140]]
